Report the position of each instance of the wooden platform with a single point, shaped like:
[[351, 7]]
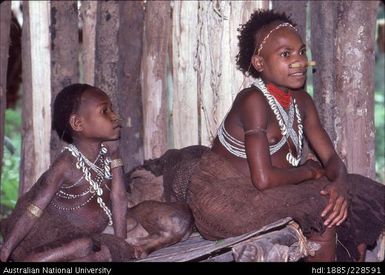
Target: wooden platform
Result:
[[278, 241]]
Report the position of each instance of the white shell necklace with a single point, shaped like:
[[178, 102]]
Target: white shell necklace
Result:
[[285, 122], [84, 165]]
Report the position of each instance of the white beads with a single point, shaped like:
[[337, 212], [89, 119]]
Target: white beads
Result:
[[285, 122], [84, 165]]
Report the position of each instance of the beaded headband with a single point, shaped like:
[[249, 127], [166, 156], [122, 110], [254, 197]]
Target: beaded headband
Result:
[[286, 24]]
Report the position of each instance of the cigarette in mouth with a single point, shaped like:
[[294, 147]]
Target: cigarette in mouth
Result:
[[298, 65]]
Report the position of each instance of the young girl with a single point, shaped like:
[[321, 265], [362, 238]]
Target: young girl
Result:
[[63, 215], [253, 176]]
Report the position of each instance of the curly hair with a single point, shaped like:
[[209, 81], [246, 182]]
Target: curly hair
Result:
[[248, 31], [66, 103]]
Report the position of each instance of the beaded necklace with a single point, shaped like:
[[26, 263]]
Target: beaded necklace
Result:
[[95, 189], [284, 122]]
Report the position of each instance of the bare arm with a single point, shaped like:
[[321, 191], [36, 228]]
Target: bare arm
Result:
[[254, 115], [336, 210], [49, 183], [118, 194]]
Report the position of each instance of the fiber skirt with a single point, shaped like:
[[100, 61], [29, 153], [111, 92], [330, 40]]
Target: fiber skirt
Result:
[[225, 204]]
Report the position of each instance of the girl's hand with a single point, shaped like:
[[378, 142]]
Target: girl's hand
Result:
[[336, 210], [315, 168]]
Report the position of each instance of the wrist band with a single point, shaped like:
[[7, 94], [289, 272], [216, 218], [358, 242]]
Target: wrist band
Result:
[[116, 163], [35, 211]]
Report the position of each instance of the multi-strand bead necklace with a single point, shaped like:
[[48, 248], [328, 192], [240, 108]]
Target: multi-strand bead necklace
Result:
[[285, 122], [95, 188]]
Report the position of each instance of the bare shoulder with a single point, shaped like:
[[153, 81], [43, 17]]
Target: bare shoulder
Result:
[[61, 168], [250, 97]]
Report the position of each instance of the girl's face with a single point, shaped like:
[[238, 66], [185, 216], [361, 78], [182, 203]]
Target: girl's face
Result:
[[284, 47], [98, 119]]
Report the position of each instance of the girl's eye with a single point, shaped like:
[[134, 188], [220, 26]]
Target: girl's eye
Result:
[[302, 52], [285, 54]]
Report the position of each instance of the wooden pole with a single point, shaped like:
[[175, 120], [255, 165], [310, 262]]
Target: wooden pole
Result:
[[323, 33], [296, 9], [184, 90], [106, 49], [130, 43], [64, 54], [219, 81], [154, 75], [88, 10], [5, 26], [355, 41], [36, 135]]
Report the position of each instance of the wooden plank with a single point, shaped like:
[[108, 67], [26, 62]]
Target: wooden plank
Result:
[[5, 26], [356, 23], [36, 92], [129, 93], [184, 92], [154, 80], [64, 54], [196, 247], [88, 11]]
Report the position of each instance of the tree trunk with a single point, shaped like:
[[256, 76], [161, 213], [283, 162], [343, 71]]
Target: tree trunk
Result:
[[323, 33], [296, 9], [154, 77], [64, 54], [356, 22], [130, 43], [5, 26], [36, 116]]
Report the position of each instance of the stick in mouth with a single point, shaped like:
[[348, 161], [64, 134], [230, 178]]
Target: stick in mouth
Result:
[[298, 65]]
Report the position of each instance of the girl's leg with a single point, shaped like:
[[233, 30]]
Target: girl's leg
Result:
[[77, 248], [327, 241], [103, 255]]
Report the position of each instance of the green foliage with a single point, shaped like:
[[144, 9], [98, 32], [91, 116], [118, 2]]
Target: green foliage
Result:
[[9, 187]]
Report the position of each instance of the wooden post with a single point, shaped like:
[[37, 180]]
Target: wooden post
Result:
[[154, 64], [35, 153], [64, 54], [5, 26], [218, 78], [130, 43], [323, 33], [88, 11], [184, 92], [356, 22], [296, 9], [106, 55]]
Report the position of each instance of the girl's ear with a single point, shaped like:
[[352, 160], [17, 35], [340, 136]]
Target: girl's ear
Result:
[[76, 123], [258, 62]]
